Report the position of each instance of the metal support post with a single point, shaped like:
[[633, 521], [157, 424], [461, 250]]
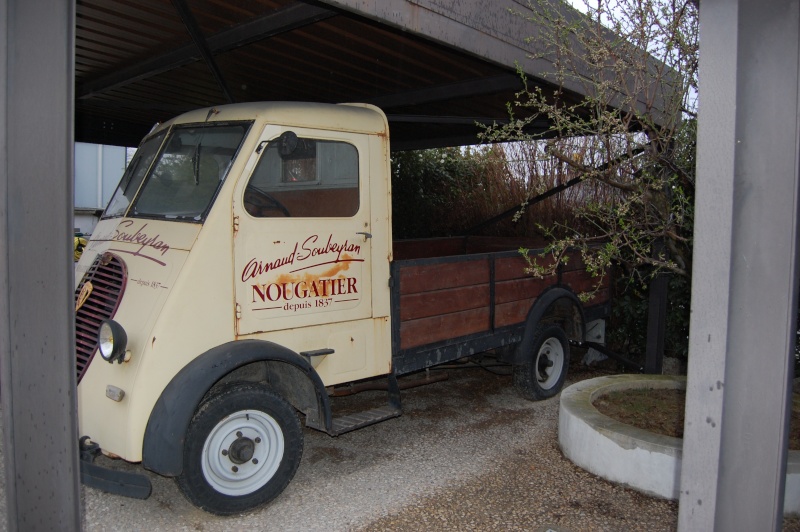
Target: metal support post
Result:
[[36, 270], [744, 286]]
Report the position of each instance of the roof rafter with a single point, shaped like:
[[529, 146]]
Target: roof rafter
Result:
[[475, 87], [293, 16], [202, 45]]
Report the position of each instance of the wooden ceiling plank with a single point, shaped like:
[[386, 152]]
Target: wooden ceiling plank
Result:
[[295, 15]]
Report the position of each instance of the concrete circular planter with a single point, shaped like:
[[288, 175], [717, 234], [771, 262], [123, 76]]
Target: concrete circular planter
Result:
[[645, 461]]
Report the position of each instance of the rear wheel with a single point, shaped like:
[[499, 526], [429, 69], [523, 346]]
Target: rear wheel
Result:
[[242, 448], [544, 370]]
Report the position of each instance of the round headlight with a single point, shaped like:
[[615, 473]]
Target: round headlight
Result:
[[112, 341]]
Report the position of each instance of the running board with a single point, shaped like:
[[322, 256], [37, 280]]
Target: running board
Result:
[[352, 422], [344, 424]]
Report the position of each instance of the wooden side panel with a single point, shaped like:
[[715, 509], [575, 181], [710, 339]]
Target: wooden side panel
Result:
[[451, 299], [437, 328], [428, 247], [580, 281], [426, 304], [491, 244], [514, 268], [443, 301], [512, 312], [429, 277], [515, 290]]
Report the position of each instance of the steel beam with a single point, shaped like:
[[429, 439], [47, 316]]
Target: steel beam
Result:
[[451, 91], [36, 277], [200, 41], [502, 32], [744, 287]]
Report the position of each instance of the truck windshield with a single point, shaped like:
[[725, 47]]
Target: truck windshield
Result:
[[182, 181]]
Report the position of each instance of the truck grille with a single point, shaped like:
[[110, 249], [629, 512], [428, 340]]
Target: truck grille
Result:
[[108, 276]]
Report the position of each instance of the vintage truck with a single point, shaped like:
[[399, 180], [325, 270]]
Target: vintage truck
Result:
[[244, 268]]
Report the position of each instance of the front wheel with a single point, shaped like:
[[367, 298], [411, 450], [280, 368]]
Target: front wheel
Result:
[[544, 370], [242, 448]]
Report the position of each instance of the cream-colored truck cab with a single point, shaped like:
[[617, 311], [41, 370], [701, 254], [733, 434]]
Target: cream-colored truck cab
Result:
[[242, 233], [245, 267]]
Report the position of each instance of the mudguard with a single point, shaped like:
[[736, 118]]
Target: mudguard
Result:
[[540, 310], [162, 449]]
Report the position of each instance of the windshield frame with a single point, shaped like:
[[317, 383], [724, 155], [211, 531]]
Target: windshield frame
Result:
[[168, 136], [129, 177]]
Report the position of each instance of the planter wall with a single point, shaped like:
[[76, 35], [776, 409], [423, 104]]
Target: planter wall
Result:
[[645, 461]]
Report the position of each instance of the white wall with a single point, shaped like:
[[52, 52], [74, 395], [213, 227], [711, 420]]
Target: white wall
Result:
[[98, 170]]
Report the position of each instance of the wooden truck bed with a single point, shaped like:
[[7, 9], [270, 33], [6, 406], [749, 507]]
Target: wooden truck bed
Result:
[[472, 296]]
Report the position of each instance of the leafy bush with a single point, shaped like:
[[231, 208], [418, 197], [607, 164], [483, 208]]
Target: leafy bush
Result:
[[446, 191], [628, 322]]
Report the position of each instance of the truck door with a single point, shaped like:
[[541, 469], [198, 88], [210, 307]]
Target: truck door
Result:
[[302, 235]]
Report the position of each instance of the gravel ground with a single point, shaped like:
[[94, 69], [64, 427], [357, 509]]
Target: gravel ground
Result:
[[468, 454]]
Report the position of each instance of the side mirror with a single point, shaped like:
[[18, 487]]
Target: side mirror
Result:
[[287, 143]]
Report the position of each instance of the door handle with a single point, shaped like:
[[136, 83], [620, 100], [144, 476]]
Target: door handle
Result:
[[365, 235]]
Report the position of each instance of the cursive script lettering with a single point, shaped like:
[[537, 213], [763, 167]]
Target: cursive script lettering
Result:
[[255, 267], [141, 238], [308, 251]]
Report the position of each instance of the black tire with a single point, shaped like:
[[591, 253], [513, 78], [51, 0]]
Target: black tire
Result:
[[242, 448], [544, 370]]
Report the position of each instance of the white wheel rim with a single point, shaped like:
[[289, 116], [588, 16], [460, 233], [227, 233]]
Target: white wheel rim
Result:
[[549, 363], [224, 470]]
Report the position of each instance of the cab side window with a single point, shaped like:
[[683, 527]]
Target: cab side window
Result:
[[304, 177]]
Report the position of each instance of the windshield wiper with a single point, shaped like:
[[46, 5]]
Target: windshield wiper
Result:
[[196, 163]]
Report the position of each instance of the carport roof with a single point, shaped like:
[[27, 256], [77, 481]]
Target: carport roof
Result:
[[436, 67]]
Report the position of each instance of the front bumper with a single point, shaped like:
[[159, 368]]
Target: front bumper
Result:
[[127, 484]]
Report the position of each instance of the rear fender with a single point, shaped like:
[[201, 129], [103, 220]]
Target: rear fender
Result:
[[557, 305]]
